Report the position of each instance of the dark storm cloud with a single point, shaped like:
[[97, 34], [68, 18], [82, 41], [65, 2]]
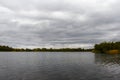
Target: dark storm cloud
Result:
[[58, 23]]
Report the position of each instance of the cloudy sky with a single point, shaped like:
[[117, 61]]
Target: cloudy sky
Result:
[[58, 23]]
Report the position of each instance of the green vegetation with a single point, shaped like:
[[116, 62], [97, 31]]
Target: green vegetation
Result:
[[107, 47], [6, 48]]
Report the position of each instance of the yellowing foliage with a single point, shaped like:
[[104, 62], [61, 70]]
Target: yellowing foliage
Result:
[[113, 52]]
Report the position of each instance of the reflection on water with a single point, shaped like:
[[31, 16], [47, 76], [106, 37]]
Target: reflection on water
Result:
[[111, 63], [59, 66], [106, 59]]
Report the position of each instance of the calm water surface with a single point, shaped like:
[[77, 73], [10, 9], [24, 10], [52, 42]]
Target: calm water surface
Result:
[[59, 66]]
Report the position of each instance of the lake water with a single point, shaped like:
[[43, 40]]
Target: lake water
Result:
[[59, 66]]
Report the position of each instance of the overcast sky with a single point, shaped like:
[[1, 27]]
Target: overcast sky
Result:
[[58, 23]]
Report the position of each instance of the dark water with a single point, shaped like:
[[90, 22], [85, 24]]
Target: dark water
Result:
[[59, 66]]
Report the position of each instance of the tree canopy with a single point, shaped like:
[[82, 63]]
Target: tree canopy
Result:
[[7, 48], [104, 47]]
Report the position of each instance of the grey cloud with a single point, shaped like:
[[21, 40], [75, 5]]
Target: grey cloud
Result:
[[58, 23]]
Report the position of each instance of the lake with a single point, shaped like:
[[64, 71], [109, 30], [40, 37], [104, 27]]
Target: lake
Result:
[[59, 66]]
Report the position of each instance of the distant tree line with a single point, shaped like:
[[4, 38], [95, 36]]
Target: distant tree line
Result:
[[7, 48], [106, 47]]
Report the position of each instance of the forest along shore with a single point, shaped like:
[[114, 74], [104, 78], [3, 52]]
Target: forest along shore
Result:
[[107, 47], [7, 48], [104, 48]]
